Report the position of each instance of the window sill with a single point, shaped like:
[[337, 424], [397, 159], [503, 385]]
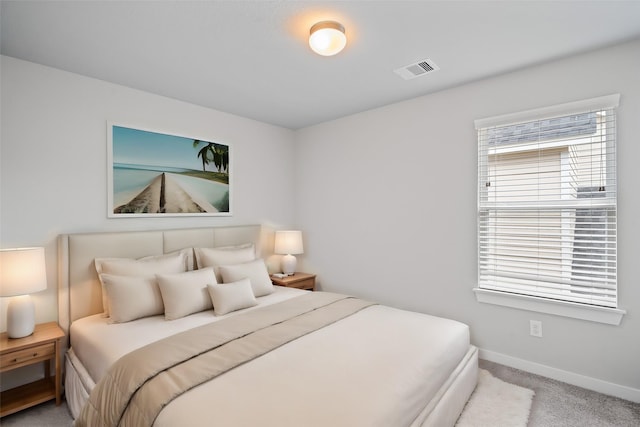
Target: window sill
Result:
[[610, 316]]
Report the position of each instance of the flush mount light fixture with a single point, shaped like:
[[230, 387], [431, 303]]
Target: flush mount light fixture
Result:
[[327, 38]]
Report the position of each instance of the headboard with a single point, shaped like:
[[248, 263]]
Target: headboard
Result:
[[79, 290]]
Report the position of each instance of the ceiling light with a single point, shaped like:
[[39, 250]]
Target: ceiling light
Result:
[[327, 38]]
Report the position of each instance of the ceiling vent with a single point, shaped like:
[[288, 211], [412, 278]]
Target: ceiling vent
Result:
[[417, 69]]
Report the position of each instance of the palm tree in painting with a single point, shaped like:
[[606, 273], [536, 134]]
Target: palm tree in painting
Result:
[[204, 153], [221, 157], [217, 153]]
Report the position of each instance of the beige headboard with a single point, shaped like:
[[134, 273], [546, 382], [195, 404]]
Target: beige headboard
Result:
[[80, 294]]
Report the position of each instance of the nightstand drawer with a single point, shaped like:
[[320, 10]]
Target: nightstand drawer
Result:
[[303, 284], [27, 355]]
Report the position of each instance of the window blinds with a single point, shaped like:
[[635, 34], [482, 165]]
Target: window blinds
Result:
[[547, 202]]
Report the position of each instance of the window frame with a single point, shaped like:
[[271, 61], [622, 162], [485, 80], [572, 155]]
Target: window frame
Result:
[[576, 310]]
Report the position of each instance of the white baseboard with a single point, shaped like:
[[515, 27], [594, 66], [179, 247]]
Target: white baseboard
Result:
[[604, 387]]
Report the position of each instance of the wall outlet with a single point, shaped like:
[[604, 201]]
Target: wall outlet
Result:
[[535, 328]]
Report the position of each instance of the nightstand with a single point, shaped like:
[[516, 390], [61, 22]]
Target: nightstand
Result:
[[44, 345], [298, 280]]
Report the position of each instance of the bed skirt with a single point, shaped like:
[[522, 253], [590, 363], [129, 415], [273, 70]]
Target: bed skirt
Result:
[[77, 384]]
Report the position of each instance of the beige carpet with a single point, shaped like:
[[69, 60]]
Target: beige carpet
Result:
[[495, 403], [559, 404]]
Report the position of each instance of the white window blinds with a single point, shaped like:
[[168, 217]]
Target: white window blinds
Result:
[[547, 202]]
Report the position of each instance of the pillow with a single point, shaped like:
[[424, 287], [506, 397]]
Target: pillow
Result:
[[175, 262], [226, 255], [231, 296], [132, 297], [186, 293], [255, 271]]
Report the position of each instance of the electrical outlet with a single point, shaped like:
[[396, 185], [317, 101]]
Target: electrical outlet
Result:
[[535, 328]]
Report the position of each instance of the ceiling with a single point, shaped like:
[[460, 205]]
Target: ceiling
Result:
[[251, 58]]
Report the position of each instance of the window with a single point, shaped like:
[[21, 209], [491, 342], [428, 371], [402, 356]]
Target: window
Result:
[[547, 203]]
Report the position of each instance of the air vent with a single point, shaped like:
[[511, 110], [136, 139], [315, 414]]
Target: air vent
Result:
[[417, 69]]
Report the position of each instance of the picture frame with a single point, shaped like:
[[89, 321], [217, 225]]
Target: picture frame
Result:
[[154, 173]]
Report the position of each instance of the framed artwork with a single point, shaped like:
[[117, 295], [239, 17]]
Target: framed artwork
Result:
[[153, 174]]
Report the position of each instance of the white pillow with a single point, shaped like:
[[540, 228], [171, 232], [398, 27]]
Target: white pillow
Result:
[[255, 271], [186, 293], [225, 255], [132, 297], [231, 296], [175, 262]]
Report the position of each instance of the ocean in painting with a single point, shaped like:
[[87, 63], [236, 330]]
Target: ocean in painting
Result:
[[129, 180]]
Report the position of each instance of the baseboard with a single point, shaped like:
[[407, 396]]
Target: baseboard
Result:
[[604, 387]]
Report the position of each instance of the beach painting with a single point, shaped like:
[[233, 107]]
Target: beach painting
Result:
[[159, 174]]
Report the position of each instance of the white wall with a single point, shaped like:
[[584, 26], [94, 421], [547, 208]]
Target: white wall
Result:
[[387, 199], [53, 164]]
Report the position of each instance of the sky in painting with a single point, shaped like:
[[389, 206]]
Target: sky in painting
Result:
[[138, 147]]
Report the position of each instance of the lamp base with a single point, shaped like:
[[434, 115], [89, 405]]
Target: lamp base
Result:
[[20, 317], [288, 264]]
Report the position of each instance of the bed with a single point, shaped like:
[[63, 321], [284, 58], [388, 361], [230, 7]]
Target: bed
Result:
[[370, 365]]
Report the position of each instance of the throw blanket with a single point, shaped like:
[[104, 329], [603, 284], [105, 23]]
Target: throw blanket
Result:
[[141, 383]]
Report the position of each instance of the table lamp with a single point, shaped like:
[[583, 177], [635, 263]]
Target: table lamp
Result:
[[22, 272], [288, 243]]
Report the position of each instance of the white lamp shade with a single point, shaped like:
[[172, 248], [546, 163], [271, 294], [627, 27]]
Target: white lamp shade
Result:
[[22, 271], [288, 242]]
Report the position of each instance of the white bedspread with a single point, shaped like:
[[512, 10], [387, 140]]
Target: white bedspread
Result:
[[378, 367]]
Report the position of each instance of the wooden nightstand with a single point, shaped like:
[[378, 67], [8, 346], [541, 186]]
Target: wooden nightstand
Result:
[[298, 280], [43, 345]]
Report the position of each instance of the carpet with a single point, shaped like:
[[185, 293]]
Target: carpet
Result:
[[495, 403]]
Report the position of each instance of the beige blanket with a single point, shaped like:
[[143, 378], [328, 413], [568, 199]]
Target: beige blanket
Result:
[[141, 383]]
